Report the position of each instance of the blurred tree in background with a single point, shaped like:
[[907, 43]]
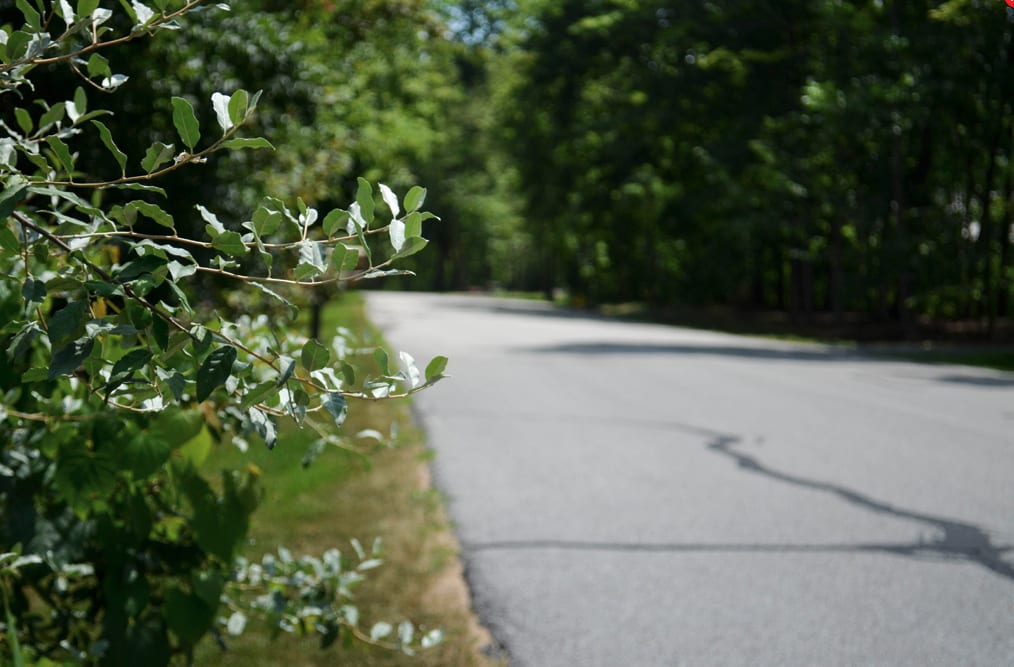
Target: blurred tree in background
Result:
[[820, 157]]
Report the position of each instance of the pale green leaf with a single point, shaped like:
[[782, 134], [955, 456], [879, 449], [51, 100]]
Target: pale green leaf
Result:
[[247, 142], [435, 369], [364, 197], [231, 243], [186, 122], [415, 198], [314, 355], [239, 104], [411, 246], [107, 140], [157, 155], [62, 152]]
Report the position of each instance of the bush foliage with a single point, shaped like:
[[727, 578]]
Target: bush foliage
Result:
[[130, 349]]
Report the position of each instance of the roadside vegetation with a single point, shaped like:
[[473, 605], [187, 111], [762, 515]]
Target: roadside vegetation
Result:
[[379, 491]]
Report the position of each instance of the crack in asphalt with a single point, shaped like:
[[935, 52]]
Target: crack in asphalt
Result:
[[958, 541], [897, 548]]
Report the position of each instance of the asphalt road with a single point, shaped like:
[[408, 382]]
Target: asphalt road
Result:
[[633, 494]]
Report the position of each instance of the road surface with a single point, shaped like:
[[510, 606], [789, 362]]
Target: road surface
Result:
[[634, 494]]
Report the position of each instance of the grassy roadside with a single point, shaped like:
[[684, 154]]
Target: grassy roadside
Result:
[[343, 495]]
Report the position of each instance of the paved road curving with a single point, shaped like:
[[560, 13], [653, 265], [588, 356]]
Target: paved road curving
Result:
[[632, 494]]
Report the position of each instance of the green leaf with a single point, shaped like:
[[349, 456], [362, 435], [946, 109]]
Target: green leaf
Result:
[[35, 375], [86, 473], [239, 104], [266, 221], [157, 155], [141, 187], [364, 197], [247, 142], [348, 373], [86, 7], [52, 115], [411, 246], [186, 122], [194, 452], [293, 310], [80, 104], [177, 383], [334, 221], [33, 291], [25, 121], [69, 358], [138, 267], [231, 243], [98, 66], [258, 394], [154, 212], [22, 341], [380, 355], [144, 455], [335, 403], [187, 616], [8, 241], [62, 152], [415, 198], [16, 44], [32, 17], [208, 586], [344, 258], [107, 140], [9, 200], [63, 284], [413, 224], [177, 426], [132, 361], [435, 369], [68, 323], [215, 370], [314, 355]]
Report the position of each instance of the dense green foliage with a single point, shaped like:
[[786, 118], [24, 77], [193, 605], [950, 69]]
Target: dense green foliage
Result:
[[844, 157], [140, 328]]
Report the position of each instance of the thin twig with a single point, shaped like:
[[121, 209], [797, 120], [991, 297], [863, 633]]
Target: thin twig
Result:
[[95, 45]]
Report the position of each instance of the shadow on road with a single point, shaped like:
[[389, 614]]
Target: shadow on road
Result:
[[956, 541], [978, 381], [800, 353], [765, 353]]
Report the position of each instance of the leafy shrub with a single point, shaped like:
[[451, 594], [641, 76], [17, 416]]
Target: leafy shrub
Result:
[[123, 364]]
